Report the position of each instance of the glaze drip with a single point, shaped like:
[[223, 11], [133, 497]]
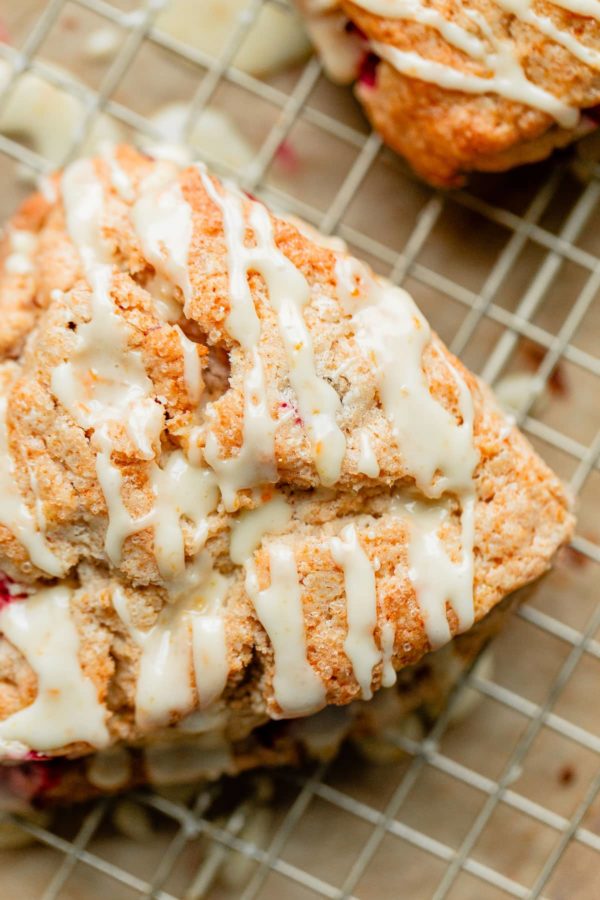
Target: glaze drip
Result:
[[296, 686], [66, 708]]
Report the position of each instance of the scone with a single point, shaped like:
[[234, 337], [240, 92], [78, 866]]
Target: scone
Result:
[[466, 85], [241, 478]]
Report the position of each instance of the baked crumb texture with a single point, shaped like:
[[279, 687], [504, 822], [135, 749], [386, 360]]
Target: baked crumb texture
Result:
[[459, 86], [241, 478]]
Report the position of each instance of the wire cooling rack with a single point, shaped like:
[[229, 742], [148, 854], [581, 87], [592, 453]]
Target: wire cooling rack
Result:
[[504, 803]]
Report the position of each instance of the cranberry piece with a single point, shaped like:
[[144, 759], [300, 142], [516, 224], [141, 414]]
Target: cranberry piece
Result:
[[4, 33], [286, 156], [593, 113], [368, 70], [7, 593], [32, 780]]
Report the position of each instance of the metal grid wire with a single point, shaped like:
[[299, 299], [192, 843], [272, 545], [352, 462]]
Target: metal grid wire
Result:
[[559, 240]]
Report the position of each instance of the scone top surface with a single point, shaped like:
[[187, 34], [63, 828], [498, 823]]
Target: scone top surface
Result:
[[247, 473]]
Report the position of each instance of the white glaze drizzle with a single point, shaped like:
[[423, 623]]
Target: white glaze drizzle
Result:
[[318, 401], [589, 8], [209, 653], [119, 178], [66, 708], [180, 490], [507, 76], [164, 225], [361, 609], [288, 294], [388, 673], [183, 653], [105, 387], [104, 383], [437, 449], [393, 333], [296, 686], [254, 463], [437, 578], [14, 512], [192, 368], [508, 80], [413, 10], [248, 530], [164, 680], [523, 11]]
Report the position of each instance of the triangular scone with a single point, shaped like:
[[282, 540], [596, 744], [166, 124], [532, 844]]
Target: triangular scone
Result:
[[238, 471], [456, 85]]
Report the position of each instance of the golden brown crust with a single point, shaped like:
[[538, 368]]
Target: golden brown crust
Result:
[[521, 517]]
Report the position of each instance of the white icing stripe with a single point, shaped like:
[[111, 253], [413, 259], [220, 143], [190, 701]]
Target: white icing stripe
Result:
[[192, 369], [181, 491], [209, 651], [14, 512], [66, 708], [413, 10], [104, 384], [163, 222], [361, 599], [254, 462], [119, 178], [164, 683], [297, 688], [589, 8], [545, 25], [242, 321], [508, 80], [318, 401], [437, 449], [105, 387], [288, 293], [184, 652], [435, 577], [396, 9], [248, 530], [388, 673]]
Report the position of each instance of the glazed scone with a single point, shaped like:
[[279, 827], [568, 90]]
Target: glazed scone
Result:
[[466, 85], [238, 470]]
